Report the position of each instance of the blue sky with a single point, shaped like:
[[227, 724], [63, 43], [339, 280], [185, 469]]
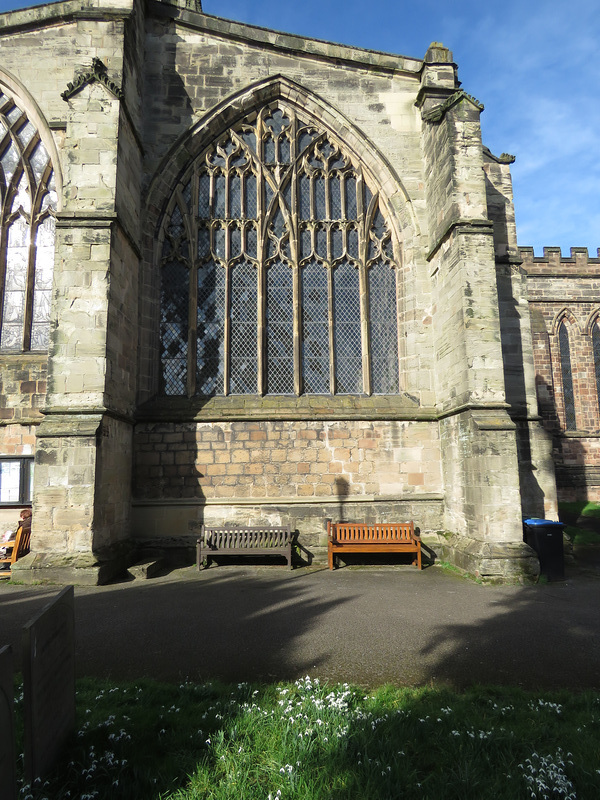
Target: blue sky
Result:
[[534, 65]]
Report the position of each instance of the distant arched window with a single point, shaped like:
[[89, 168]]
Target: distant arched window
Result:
[[567, 377], [27, 226], [596, 349], [277, 268]]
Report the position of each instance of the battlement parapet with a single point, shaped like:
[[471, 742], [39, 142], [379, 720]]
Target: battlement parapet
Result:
[[554, 263]]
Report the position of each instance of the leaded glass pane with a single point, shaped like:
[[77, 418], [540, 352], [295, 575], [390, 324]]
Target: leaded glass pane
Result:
[[567, 377], [249, 138], [174, 326], [320, 211], [44, 254], [315, 329], [383, 329], [203, 241], [15, 286], [14, 115], [278, 224], [350, 183], [335, 195], [204, 196], [9, 161], [269, 148], [39, 160], [305, 243], [244, 352], [251, 209], [353, 242], [236, 241], [219, 242], [304, 191], [41, 305], [321, 242], [235, 197], [22, 198], [268, 195], [347, 330], [40, 334], [305, 139], [210, 326], [596, 347], [251, 241], [277, 121], [284, 150], [337, 243], [280, 330], [219, 195]]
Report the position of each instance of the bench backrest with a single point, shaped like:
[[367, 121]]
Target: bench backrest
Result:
[[238, 536], [21, 545], [379, 532]]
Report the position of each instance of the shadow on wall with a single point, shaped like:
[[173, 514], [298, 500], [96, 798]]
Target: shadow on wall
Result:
[[532, 494], [568, 454]]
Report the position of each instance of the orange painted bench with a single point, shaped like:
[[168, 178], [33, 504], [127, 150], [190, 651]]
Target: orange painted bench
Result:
[[351, 537], [18, 547]]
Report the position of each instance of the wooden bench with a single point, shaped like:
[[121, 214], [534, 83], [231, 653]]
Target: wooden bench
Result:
[[233, 540], [350, 537], [18, 547]]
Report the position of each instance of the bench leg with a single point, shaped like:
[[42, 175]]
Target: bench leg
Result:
[[330, 557]]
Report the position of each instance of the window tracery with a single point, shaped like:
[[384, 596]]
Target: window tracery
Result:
[[27, 228], [278, 272]]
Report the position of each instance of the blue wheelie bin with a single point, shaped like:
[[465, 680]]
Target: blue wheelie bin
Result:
[[546, 537]]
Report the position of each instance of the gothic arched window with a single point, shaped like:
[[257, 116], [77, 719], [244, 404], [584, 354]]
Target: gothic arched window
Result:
[[596, 349], [567, 377], [27, 223], [278, 272]]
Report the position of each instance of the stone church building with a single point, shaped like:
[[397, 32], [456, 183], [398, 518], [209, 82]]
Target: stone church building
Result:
[[251, 277]]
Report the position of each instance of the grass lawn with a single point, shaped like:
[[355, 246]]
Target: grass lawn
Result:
[[573, 512], [310, 741]]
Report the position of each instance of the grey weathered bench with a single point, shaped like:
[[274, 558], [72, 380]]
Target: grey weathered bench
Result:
[[233, 540]]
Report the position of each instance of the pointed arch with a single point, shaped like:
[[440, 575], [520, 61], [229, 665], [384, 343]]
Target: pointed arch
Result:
[[273, 183], [593, 319], [30, 193], [565, 314], [251, 98]]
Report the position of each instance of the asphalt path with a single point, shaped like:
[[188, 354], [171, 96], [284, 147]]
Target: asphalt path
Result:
[[365, 625]]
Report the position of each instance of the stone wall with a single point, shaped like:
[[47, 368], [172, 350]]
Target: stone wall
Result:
[[567, 288], [303, 470], [23, 382]]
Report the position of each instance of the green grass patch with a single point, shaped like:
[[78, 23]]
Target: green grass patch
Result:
[[581, 509], [581, 535], [307, 741]]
